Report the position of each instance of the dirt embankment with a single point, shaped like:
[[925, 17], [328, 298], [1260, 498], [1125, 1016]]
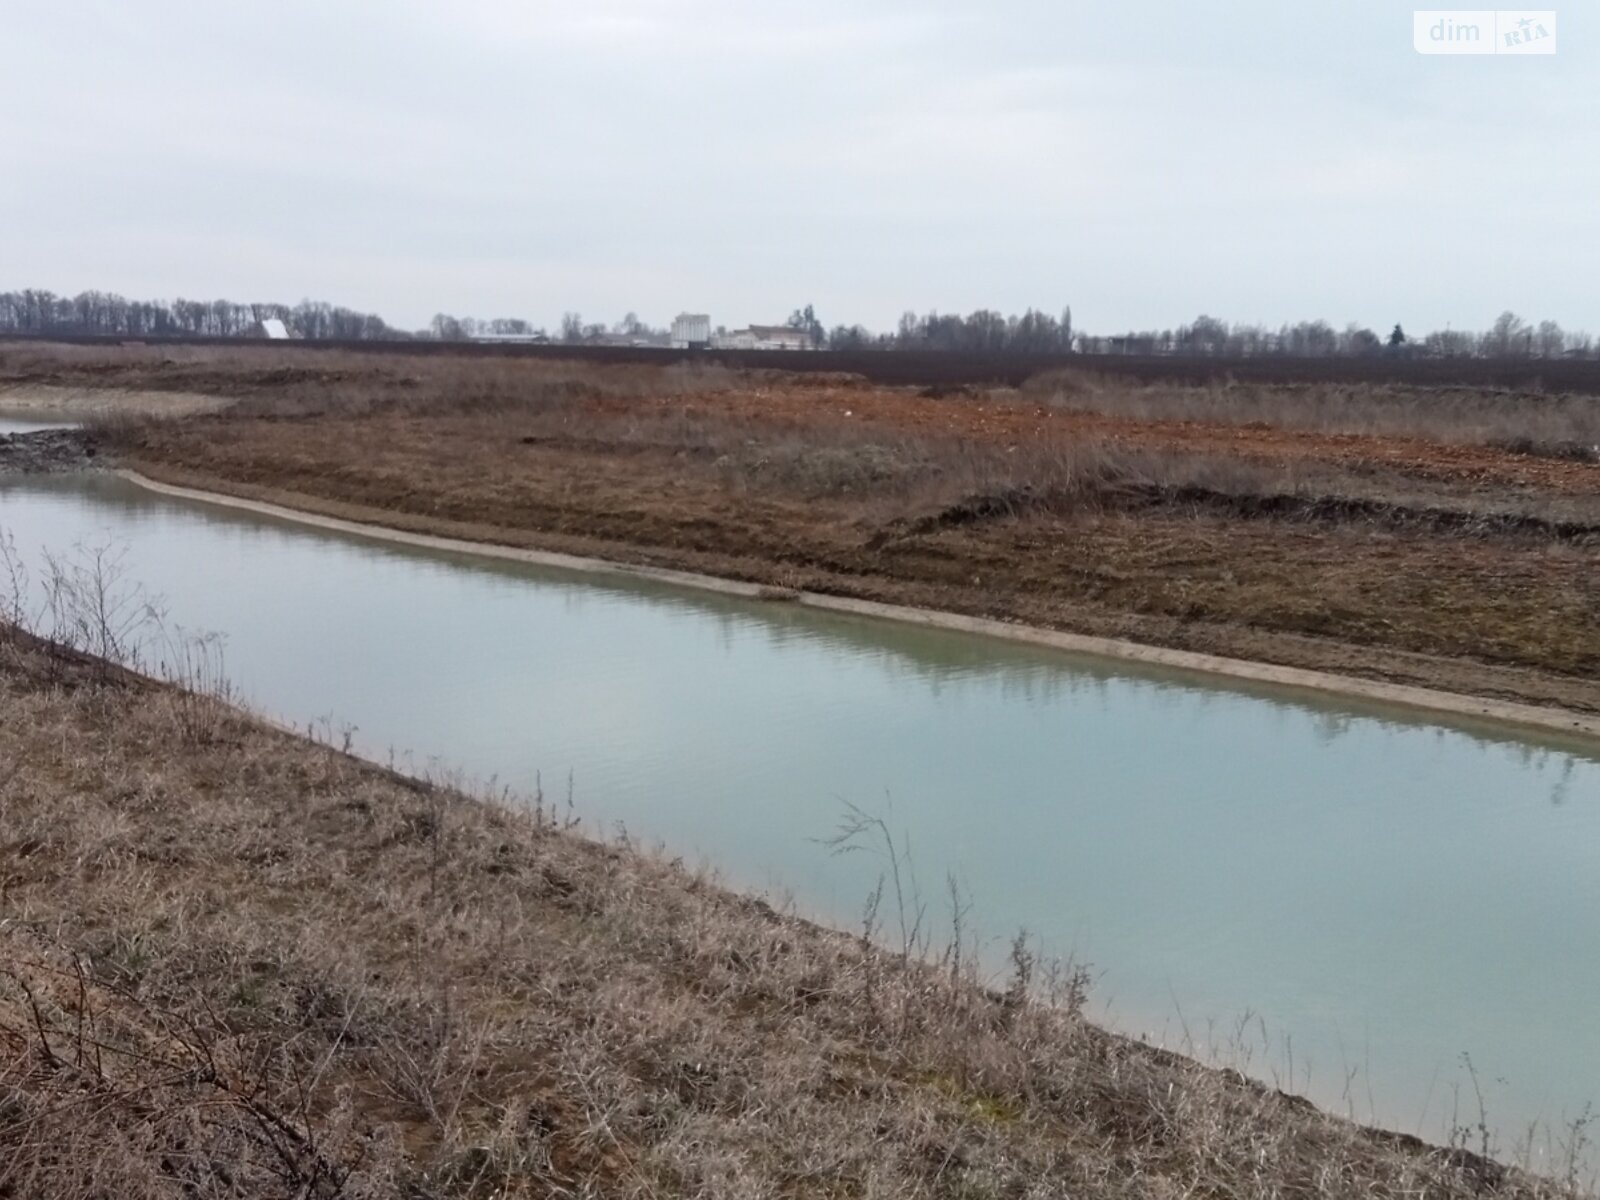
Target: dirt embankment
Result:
[[1276, 620], [236, 963], [1433, 539], [46, 451], [1500, 607]]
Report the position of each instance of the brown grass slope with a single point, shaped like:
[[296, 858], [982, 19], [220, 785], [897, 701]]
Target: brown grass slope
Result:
[[1442, 538], [236, 963], [1450, 564]]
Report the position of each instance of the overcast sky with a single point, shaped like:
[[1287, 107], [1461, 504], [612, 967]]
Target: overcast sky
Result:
[[1144, 161]]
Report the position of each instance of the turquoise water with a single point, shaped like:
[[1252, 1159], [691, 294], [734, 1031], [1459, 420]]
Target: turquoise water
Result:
[[1342, 898]]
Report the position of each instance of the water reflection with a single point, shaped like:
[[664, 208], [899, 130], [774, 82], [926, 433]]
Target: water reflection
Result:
[[1332, 866]]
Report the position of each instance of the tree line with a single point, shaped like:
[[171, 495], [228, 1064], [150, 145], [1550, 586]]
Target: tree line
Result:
[[988, 332], [1509, 337], [105, 313], [981, 332], [984, 331]]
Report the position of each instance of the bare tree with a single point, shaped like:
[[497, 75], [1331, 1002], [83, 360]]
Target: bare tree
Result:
[[1509, 336], [34, 311]]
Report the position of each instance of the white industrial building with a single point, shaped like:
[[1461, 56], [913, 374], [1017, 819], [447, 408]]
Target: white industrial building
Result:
[[531, 338], [691, 331], [765, 337]]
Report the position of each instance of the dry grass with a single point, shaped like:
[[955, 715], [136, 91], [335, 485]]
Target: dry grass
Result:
[[1051, 530], [339, 381], [92, 405], [673, 411], [767, 431], [239, 964], [1564, 426], [1392, 557], [331, 381]]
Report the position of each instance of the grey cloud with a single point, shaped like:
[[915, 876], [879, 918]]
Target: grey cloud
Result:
[[1142, 161]]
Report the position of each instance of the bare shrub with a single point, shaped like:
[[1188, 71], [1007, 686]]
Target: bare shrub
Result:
[[93, 607], [15, 600], [107, 1094], [203, 698]]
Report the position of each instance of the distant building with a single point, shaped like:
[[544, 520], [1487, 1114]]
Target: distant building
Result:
[[1132, 343], [691, 331], [531, 338], [659, 341], [275, 329], [766, 337]]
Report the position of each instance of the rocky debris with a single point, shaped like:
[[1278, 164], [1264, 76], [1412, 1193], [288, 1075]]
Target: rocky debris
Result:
[[46, 450]]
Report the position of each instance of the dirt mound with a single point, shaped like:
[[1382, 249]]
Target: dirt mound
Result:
[[45, 451]]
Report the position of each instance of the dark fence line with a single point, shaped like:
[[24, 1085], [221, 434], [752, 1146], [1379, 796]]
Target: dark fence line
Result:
[[932, 368]]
